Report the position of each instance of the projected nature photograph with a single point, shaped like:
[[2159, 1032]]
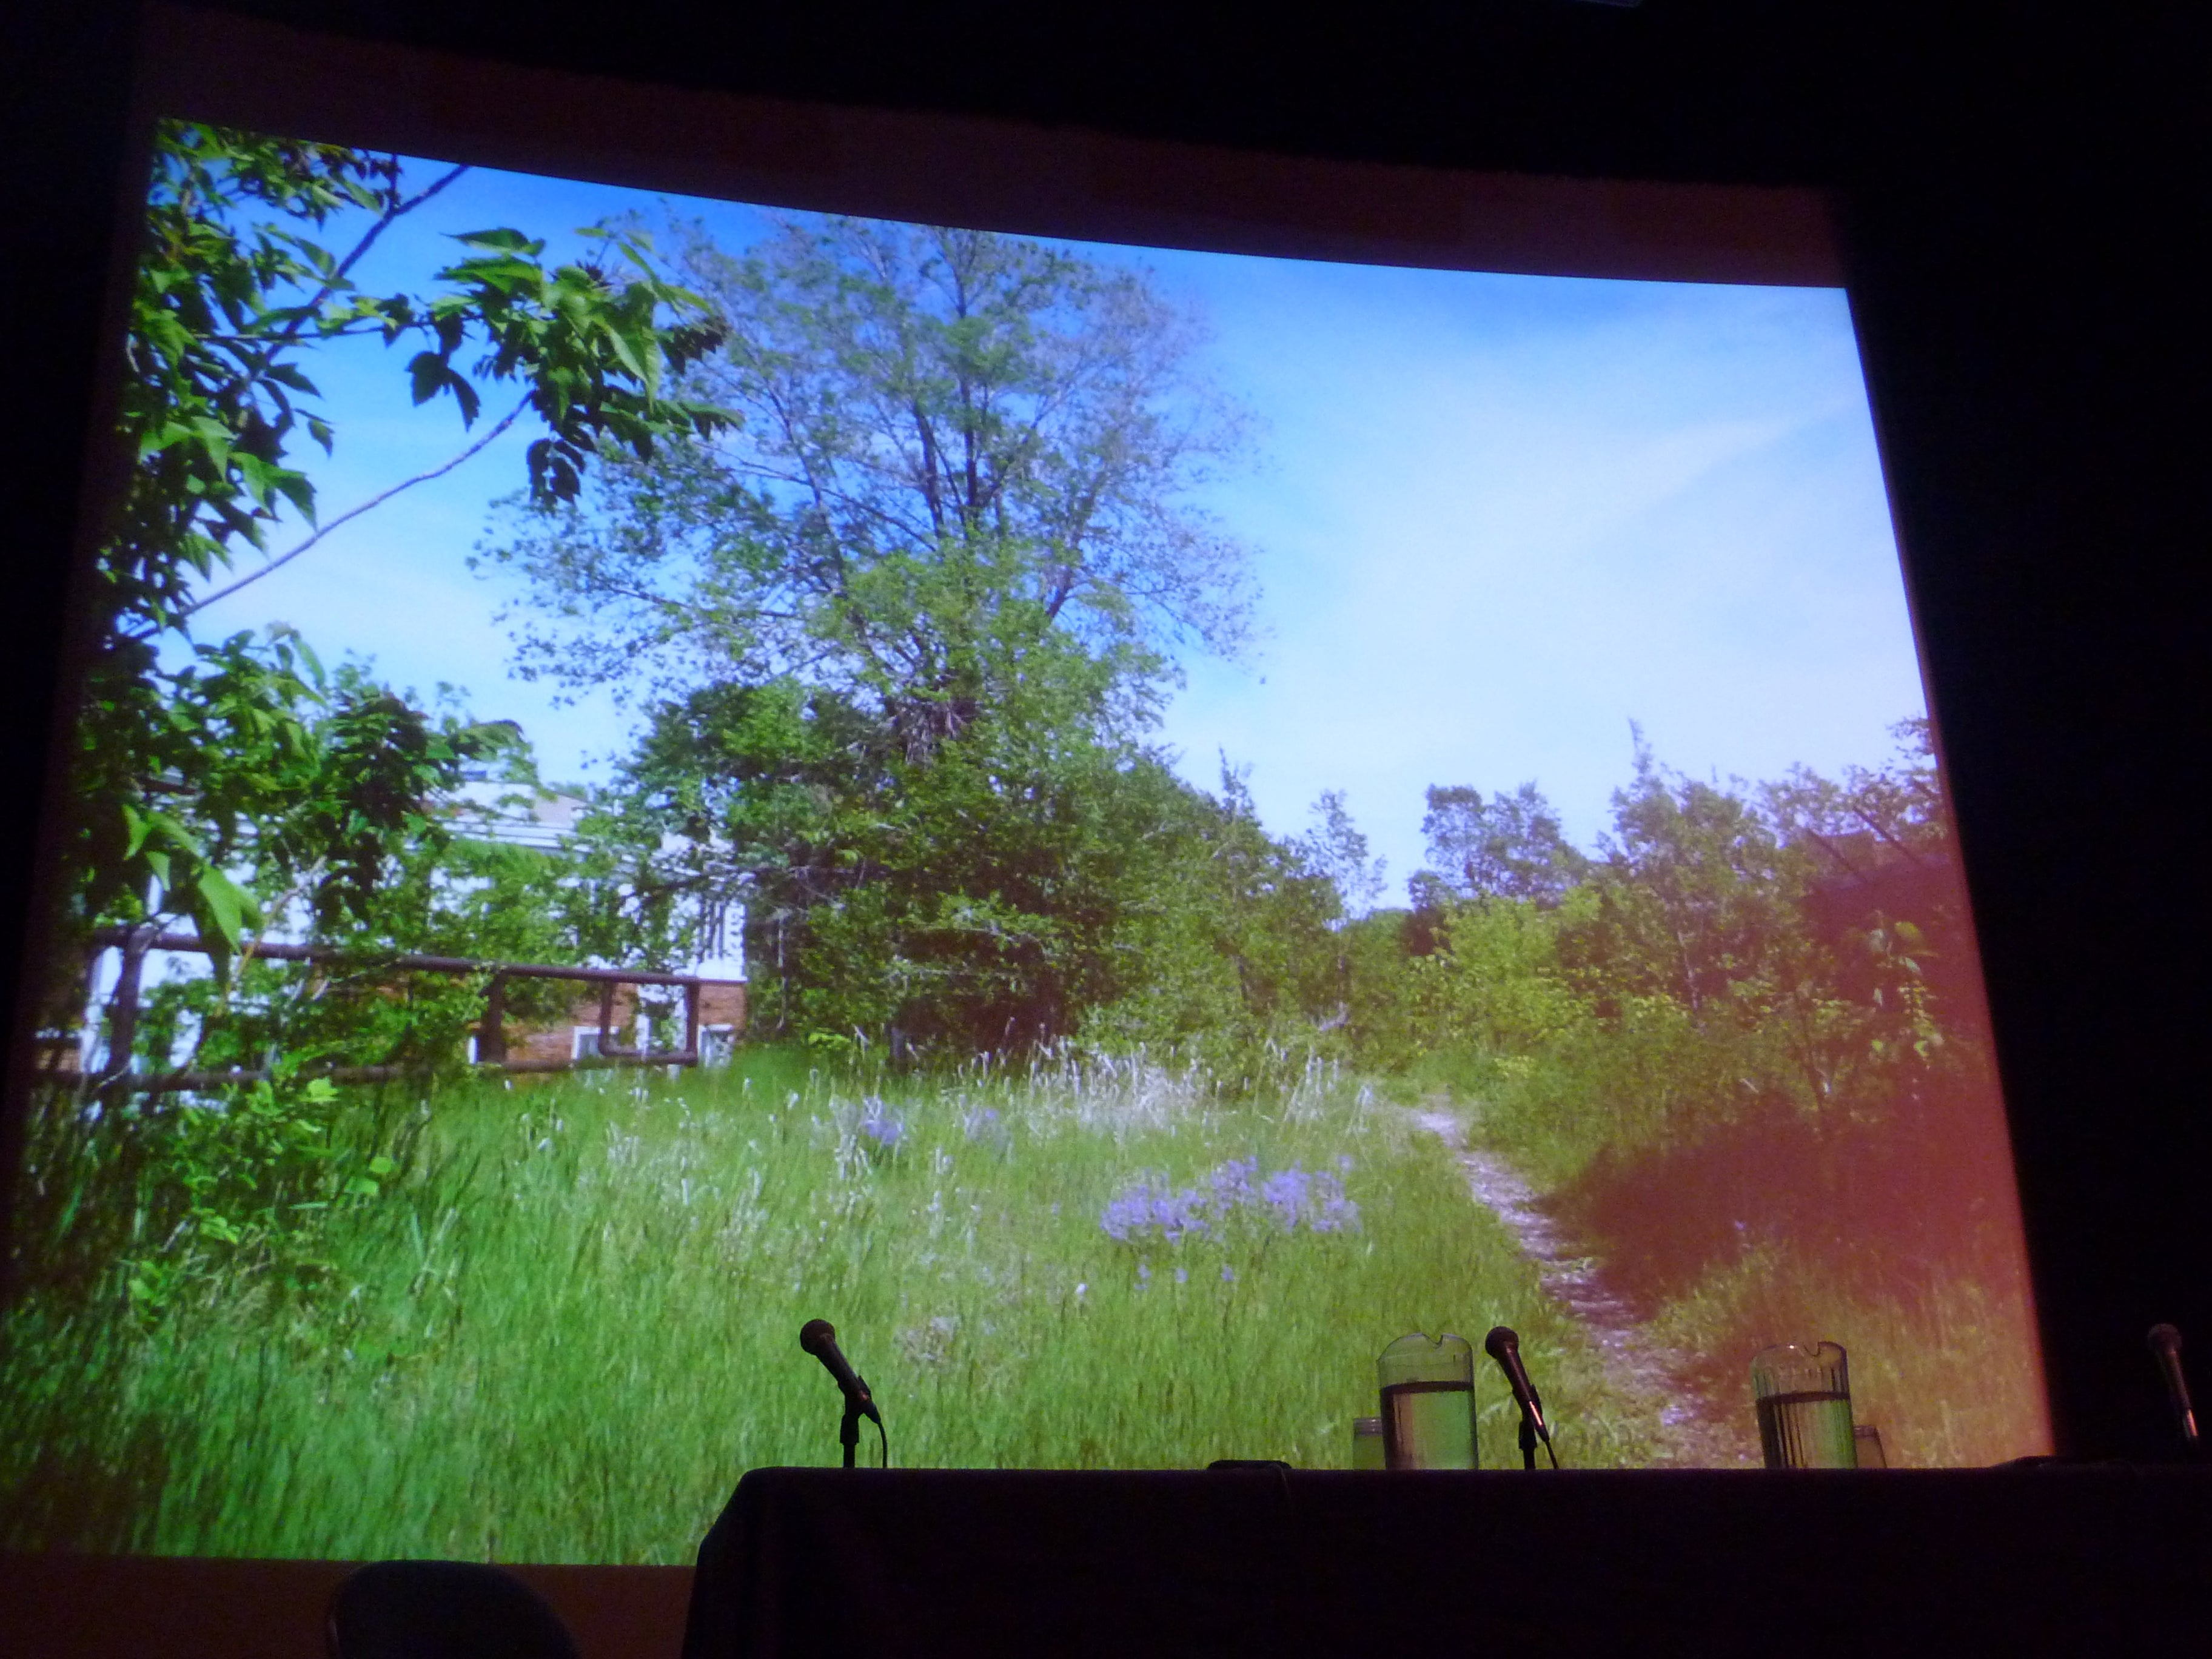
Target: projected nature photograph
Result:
[[1127, 825]]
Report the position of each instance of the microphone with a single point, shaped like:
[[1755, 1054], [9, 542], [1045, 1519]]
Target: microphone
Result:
[[1503, 1346], [819, 1338], [2165, 1344]]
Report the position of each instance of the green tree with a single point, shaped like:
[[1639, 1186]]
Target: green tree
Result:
[[962, 894], [1335, 848], [1231, 941], [953, 444], [1694, 894], [1884, 894], [1508, 846], [191, 756], [1496, 979], [906, 625], [1899, 807]]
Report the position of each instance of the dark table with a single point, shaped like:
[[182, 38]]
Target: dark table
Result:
[[2087, 1560]]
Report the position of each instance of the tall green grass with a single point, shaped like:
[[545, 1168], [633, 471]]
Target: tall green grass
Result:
[[1887, 1228], [1948, 1375], [572, 1326]]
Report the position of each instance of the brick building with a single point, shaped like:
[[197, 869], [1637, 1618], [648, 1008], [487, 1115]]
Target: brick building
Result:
[[647, 1017]]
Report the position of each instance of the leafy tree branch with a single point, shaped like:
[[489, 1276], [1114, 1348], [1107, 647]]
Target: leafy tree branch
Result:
[[236, 289], [505, 424]]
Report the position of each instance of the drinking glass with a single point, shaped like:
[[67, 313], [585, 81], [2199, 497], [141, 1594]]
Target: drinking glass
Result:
[[1428, 1402], [1367, 1444], [1803, 1393]]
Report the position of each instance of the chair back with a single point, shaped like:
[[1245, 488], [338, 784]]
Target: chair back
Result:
[[443, 1610]]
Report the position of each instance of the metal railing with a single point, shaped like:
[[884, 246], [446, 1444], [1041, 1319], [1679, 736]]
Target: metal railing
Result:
[[134, 943]]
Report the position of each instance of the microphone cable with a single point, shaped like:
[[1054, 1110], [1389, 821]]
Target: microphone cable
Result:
[[1547, 1435]]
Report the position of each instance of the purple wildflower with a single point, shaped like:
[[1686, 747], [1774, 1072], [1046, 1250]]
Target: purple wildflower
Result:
[[1142, 1208], [1338, 1213], [881, 1124], [1228, 1274], [1182, 1275], [1150, 1211], [1232, 1184], [1177, 1213], [1144, 1275], [1287, 1193], [1130, 1211]]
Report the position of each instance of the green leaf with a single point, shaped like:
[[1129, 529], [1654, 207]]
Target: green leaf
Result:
[[296, 489], [224, 904], [258, 475], [503, 240], [156, 439], [428, 371], [288, 375], [626, 353]]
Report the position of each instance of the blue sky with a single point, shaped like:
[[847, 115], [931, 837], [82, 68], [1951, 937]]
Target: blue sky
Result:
[[1494, 519]]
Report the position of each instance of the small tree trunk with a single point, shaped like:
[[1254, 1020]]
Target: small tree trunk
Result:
[[122, 1005], [492, 1031]]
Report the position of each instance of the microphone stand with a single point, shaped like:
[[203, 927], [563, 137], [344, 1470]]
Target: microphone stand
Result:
[[848, 1430], [1529, 1432]]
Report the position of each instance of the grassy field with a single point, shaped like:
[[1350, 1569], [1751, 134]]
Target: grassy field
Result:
[[1948, 1374], [572, 1325], [1897, 1237]]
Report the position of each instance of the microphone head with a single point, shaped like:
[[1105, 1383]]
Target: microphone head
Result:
[[816, 1334], [1501, 1341], [2164, 1340]]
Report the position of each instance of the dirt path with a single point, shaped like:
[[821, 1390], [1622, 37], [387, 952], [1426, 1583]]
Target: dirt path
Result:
[[1692, 1434]]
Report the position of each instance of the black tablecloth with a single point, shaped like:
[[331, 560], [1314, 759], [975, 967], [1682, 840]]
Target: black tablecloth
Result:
[[2078, 1561]]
